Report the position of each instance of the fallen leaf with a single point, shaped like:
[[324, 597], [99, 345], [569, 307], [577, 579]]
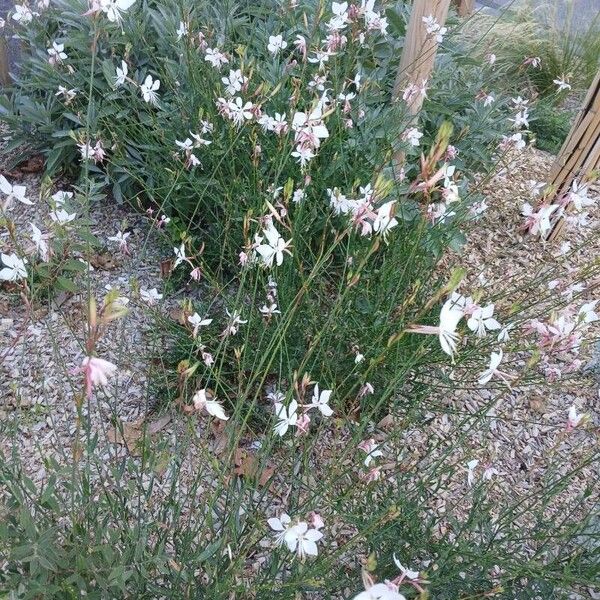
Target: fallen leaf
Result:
[[246, 465], [129, 433], [34, 164], [104, 261]]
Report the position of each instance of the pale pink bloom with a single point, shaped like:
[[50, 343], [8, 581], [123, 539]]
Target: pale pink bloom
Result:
[[489, 472], [243, 258], [215, 57], [96, 371], [372, 450], [412, 135], [235, 320], [196, 274], [300, 43], [366, 389], [538, 222], [534, 61], [303, 424], [373, 474], [121, 239], [315, 520]]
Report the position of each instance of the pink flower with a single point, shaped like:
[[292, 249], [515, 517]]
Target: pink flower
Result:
[[302, 424], [96, 372]]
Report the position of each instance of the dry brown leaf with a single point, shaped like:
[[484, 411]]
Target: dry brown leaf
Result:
[[246, 465], [129, 433], [103, 261]]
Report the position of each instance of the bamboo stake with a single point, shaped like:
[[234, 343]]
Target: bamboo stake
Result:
[[580, 152], [5, 79], [418, 55], [465, 7]]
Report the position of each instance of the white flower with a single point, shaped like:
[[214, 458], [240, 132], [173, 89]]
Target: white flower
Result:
[[280, 525], [482, 319], [240, 112], [113, 8], [587, 314], [215, 57], [22, 14], [186, 145], [503, 336], [121, 239], [197, 321], [151, 297], [199, 141], [274, 248], [405, 572], [235, 319], [434, 28], [67, 94], [13, 192], [412, 135], [148, 90], [121, 74], [182, 30], [40, 242], [562, 84], [56, 53], [180, 256], [303, 155], [270, 310], [578, 195], [574, 419], [302, 540], [276, 43], [320, 401], [210, 405], [340, 16], [234, 82], [492, 370], [380, 591], [452, 312], [287, 417], [12, 268], [61, 216], [471, 465], [61, 197], [384, 221]]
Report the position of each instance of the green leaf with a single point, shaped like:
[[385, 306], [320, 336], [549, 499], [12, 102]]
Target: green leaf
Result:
[[67, 285]]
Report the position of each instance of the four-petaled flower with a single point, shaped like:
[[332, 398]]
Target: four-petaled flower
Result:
[[12, 268]]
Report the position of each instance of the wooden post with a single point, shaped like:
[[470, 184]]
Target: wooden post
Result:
[[580, 153], [464, 7], [418, 57], [420, 48], [5, 79]]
